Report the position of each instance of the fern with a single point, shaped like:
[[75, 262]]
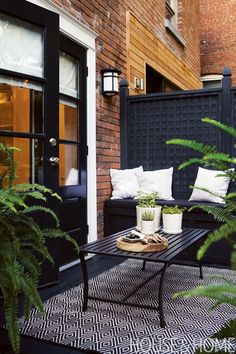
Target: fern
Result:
[[220, 214], [23, 246], [226, 292], [194, 145], [226, 128], [190, 162], [223, 232], [221, 293], [219, 157]]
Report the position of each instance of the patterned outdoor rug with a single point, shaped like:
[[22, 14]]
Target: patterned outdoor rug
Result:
[[111, 328]]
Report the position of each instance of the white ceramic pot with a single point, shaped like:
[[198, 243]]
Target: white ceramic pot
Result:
[[147, 227], [172, 223], [157, 216]]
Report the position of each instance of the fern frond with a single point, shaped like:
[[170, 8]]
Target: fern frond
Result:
[[220, 214], [37, 195], [26, 187], [29, 288], [227, 331], [36, 208], [11, 309], [221, 293], [220, 156], [28, 260], [9, 162], [230, 196], [194, 145], [191, 162], [233, 258], [224, 231], [228, 129], [208, 191], [57, 233]]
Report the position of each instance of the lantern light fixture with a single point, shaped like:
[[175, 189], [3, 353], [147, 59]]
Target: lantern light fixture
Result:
[[110, 81]]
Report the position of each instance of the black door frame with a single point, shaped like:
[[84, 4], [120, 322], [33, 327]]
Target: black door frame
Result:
[[74, 197]]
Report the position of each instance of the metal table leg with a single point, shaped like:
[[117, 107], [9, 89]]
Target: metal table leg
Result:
[[85, 279], [144, 264], [160, 296], [201, 272]]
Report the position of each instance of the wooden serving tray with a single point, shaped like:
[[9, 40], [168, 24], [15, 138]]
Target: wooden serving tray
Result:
[[139, 246]]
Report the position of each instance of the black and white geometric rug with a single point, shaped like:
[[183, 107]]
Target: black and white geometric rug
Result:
[[115, 329]]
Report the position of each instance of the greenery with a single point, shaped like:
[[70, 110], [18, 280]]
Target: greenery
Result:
[[147, 200], [173, 209], [22, 242], [148, 215], [210, 157]]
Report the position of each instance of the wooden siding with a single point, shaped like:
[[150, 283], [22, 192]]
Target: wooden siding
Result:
[[144, 47]]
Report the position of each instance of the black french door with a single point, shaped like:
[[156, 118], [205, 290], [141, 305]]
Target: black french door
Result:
[[48, 126], [72, 146]]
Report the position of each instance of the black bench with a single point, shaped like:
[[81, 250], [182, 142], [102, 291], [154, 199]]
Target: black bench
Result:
[[120, 214]]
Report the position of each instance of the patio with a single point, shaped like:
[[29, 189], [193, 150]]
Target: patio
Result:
[[74, 125]]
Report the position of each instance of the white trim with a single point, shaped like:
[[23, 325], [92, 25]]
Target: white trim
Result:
[[212, 77], [86, 37], [69, 25]]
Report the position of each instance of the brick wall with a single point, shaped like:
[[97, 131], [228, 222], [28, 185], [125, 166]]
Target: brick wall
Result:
[[218, 33], [108, 19]]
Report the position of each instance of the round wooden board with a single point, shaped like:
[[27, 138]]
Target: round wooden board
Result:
[[139, 246]]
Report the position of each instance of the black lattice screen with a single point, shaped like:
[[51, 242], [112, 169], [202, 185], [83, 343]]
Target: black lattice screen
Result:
[[154, 119]]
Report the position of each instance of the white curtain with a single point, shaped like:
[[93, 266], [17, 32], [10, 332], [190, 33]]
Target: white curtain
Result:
[[21, 46], [68, 75]]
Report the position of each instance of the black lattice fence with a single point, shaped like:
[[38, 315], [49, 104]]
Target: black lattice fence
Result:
[[148, 121]]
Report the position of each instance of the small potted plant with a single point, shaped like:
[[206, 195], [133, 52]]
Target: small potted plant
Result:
[[147, 222], [147, 202], [172, 219]]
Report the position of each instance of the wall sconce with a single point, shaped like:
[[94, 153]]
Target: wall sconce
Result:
[[138, 84], [110, 86]]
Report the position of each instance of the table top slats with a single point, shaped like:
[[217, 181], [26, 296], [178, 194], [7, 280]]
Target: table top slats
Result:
[[177, 244]]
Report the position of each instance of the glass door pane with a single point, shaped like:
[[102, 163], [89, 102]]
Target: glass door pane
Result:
[[69, 75], [29, 159], [68, 120], [21, 106], [21, 46], [69, 165]]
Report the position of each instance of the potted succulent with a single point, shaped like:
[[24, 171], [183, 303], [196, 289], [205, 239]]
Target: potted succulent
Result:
[[147, 202], [147, 222], [23, 246], [172, 219]]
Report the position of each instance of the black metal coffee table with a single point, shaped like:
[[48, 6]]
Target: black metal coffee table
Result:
[[107, 246]]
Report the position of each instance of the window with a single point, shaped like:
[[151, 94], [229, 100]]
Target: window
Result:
[[172, 11], [156, 82], [171, 21]]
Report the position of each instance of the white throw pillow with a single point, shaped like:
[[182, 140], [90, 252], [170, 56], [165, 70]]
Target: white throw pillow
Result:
[[159, 181], [125, 183], [210, 180]]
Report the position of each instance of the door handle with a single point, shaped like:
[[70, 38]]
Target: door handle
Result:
[[54, 161], [53, 142]]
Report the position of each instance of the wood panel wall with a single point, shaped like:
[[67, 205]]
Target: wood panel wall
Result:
[[144, 47]]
